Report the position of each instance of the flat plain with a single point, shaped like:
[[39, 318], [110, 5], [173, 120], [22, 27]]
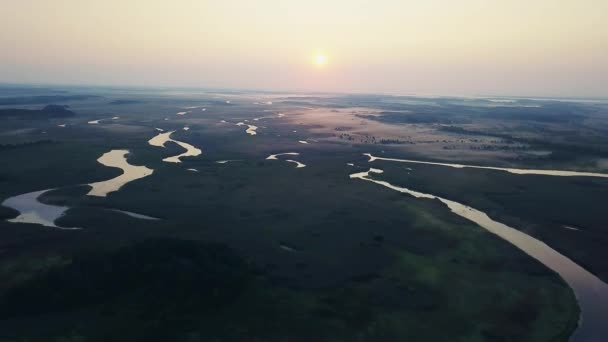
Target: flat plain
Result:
[[291, 252]]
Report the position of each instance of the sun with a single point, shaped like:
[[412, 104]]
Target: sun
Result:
[[320, 59]]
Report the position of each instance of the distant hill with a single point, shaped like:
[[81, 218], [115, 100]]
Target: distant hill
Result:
[[42, 99], [48, 112]]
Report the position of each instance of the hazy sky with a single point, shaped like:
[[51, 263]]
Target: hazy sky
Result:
[[511, 47]]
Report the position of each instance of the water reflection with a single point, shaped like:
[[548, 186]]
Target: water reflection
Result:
[[116, 158], [298, 164], [590, 291], [162, 138], [33, 211], [511, 170]]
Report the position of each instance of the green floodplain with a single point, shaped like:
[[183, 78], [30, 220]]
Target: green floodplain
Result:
[[259, 250]]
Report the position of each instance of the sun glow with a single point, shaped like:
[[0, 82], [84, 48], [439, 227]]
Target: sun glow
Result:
[[320, 59]]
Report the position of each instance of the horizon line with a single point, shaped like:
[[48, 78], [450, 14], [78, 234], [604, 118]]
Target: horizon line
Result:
[[601, 98]]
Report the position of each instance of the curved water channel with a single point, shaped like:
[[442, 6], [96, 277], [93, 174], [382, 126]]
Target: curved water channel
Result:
[[116, 158], [274, 156], [298, 164], [96, 122], [510, 170], [251, 129], [31, 210], [590, 291], [226, 161], [162, 138]]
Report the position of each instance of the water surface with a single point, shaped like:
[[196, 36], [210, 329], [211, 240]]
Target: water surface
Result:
[[511, 170], [251, 129], [591, 292], [135, 215], [227, 161], [117, 158], [298, 164], [274, 156], [33, 211], [162, 138]]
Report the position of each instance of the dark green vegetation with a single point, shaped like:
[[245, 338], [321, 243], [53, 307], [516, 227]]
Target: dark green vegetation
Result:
[[449, 113], [41, 99], [540, 206], [48, 112], [257, 250], [123, 102]]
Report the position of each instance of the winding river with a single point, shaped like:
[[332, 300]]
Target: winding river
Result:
[[227, 161], [162, 138], [116, 158], [251, 129], [31, 210], [511, 170], [135, 215], [591, 292], [274, 156], [298, 164], [96, 122]]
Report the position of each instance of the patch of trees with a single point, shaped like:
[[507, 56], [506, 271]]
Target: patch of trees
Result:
[[370, 139], [47, 112], [169, 274]]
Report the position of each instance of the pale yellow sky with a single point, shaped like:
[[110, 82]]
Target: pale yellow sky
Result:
[[535, 47]]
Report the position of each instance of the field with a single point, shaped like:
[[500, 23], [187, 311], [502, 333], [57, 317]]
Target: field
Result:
[[298, 254]]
